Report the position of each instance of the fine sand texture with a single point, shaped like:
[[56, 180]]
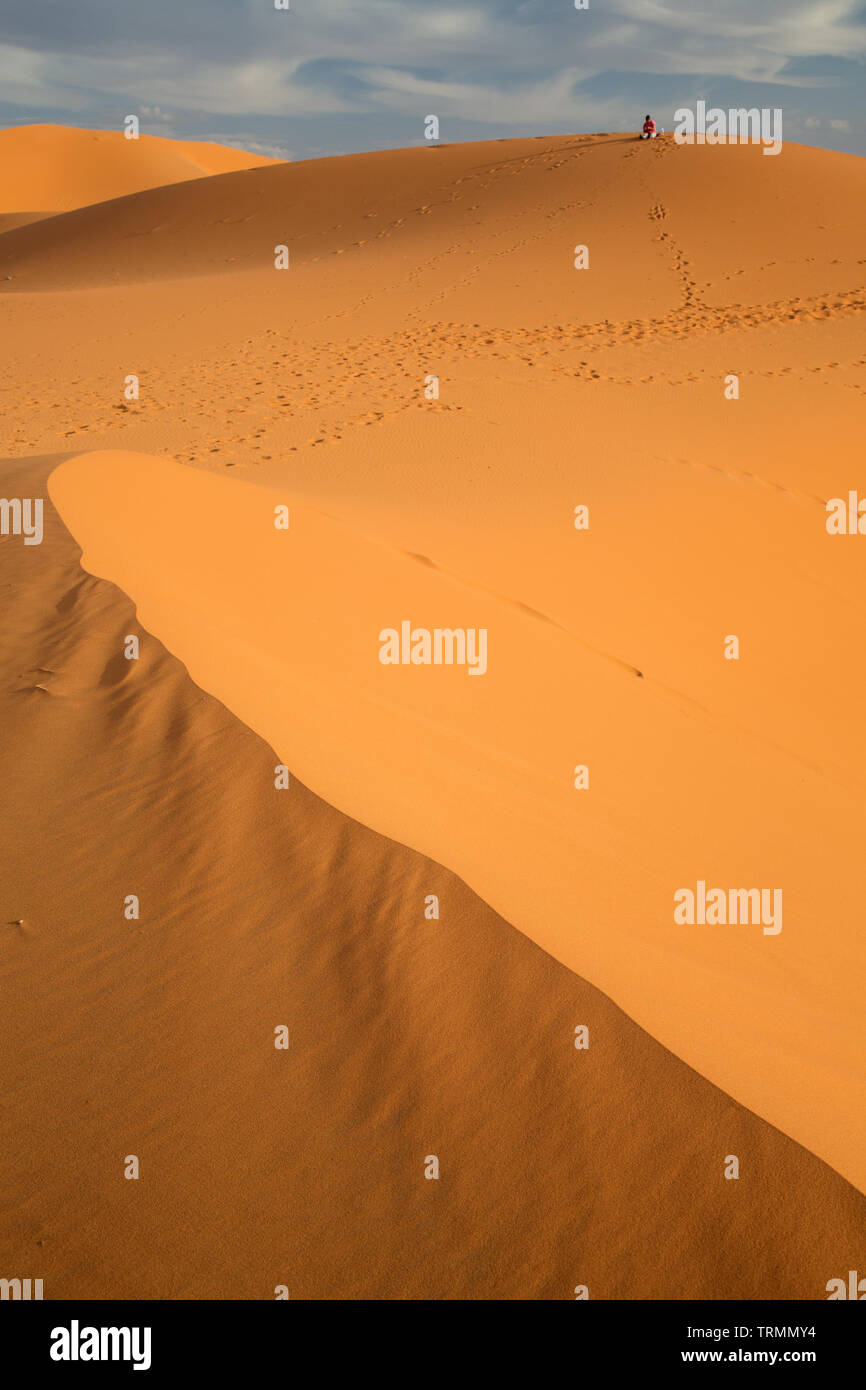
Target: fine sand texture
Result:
[[478, 771], [409, 1036], [58, 168], [439, 360]]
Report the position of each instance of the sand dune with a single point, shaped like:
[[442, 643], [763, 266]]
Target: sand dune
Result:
[[58, 168], [557, 387], [602, 387], [487, 218], [10, 220], [408, 1036], [685, 785]]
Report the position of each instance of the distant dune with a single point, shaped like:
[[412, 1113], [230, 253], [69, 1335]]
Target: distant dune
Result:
[[57, 168], [493, 219]]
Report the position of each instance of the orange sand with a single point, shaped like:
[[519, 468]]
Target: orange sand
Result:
[[58, 168], [557, 387], [407, 1035], [477, 773]]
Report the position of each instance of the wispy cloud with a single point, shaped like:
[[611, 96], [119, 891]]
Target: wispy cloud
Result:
[[507, 65]]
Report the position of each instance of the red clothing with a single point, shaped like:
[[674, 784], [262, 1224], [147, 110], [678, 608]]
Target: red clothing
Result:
[[649, 127]]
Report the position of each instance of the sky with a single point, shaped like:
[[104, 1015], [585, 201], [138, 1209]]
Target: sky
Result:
[[339, 76]]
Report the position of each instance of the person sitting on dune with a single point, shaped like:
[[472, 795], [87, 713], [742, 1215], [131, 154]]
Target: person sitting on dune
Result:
[[649, 129]]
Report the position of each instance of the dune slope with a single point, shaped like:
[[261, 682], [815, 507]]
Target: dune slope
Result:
[[408, 1036], [698, 387], [58, 168], [286, 627]]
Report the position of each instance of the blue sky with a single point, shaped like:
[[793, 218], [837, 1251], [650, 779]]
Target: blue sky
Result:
[[338, 76]]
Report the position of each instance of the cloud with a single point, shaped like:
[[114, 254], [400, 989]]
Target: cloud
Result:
[[509, 64], [255, 147], [452, 24], [736, 38], [550, 99]]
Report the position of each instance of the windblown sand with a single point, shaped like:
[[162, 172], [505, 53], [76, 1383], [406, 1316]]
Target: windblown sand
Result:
[[59, 168], [557, 387], [407, 1036]]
